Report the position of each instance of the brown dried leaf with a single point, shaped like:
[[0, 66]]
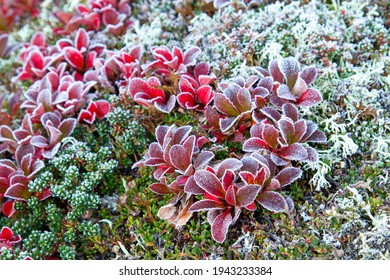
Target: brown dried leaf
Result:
[[369, 110]]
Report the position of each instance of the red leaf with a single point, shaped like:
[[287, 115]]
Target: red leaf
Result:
[[160, 133], [189, 145], [166, 148], [82, 9], [259, 102], [162, 53], [273, 185], [230, 196], [224, 105], [202, 68], [180, 157], [299, 131], [254, 144], [50, 153], [36, 59], [228, 164], [271, 113], [205, 94], [37, 165], [82, 39], [93, 19], [186, 86], [273, 201], [317, 137], [102, 108], [284, 92], [293, 152], [299, 87], [310, 129], [90, 59], [220, 226], [212, 116], [168, 106], [186, 100], [173, 64], [74, 58], [312, 155], [160, 188], [257, 130], [290, 111], [86, 116], [153, 161], [181, 134], [267, 83], [278, 160], [309, 98], [271, 135], [18, 192], [275, 72], [286, 127], [247, 177], [74, 90], [309, 74], [162, 170], [97, 48], [5, 169], [92, 107], [110, 16], [227, 123], [180, 181], [251, 207], [38, 39], [206, 204], [6, 233], [6, 132], [8, 208], [63, 43], [46, 193], [39, 141], [192, 187], [206, 79], [67, 126], [290, 69], [243, 100], [55, 135], [209, 183], [190, 55], [22, 151], [203, 159], [288, 175], [247, 195]]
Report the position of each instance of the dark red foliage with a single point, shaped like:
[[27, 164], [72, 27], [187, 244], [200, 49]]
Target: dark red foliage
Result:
[[149, 93], [175, 61], [96, 110], [265, 104], [7, 238], [176, 154], [80, 54], [110, 15], [195, 91]]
